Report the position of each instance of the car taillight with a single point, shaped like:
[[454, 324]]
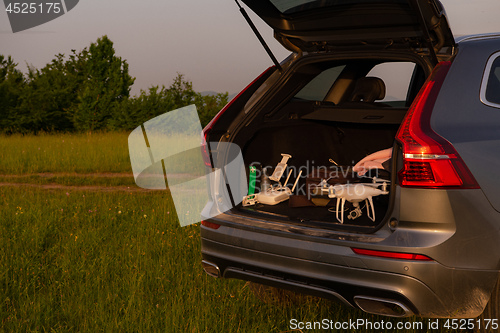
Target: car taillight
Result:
[[429, 160], [391, 255], [210, 224], [204, 134]]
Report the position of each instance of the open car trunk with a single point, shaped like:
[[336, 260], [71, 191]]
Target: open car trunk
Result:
[[326, 129], [320, 150]]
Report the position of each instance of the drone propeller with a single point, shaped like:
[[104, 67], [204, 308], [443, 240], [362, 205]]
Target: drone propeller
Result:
[[376, 179]]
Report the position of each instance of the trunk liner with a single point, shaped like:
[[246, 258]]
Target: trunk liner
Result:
[[321, 214]]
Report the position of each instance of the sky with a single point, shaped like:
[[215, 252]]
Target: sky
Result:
[[207, 41]]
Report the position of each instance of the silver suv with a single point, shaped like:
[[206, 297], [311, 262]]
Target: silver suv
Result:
[[365, 76]]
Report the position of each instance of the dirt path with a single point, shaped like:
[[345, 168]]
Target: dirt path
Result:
[[71, 174], [69, 188], [79, 188], [84, 175]]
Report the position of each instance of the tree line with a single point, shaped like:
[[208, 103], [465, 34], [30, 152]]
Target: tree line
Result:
[[89, 91]]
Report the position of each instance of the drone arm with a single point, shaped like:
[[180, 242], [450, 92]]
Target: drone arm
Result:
[[369, 206], [341, 213]]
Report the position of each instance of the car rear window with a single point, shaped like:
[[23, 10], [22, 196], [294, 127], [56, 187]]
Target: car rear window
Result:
[[317, 88], [396, 76], [490, 90], [294, 6]]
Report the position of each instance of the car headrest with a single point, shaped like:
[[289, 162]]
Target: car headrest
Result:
[[368, 89]]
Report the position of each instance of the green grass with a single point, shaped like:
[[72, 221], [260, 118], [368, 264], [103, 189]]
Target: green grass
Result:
[[113, 262], [81, 153], [84, 153], [118, 261]]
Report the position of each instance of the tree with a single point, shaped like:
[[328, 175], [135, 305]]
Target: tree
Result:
[[156, 101], [88, 91], [12, 83], [49, 94], [106, 83], [209, 105], [75, 93]]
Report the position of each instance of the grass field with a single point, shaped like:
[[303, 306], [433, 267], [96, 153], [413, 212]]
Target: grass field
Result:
[[83, 249], [82, 153]]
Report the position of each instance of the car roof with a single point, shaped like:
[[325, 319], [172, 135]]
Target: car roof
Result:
[[466, 38]]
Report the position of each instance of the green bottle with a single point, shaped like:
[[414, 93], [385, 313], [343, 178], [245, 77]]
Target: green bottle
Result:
[[251, 180]]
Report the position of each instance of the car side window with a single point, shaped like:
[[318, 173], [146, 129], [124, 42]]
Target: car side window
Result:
[[490, 88]]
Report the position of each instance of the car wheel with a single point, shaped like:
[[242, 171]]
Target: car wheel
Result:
[[491, 312]]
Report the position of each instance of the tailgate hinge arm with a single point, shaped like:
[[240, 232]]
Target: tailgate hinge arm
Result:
[[259, 36]]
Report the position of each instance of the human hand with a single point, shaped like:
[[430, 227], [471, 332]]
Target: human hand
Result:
[[372, 161]]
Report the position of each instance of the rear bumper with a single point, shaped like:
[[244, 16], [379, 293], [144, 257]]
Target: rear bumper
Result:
[[458, 229], [428, 289]]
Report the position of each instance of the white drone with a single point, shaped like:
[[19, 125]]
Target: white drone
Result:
[[273, 195], [355, 193]]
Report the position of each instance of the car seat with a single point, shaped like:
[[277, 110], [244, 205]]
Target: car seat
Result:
[[368, 89]]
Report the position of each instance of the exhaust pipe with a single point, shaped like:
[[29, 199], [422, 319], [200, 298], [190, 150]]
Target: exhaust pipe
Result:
[[382, 306], [211, 269]]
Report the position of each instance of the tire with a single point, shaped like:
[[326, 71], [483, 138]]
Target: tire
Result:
[[492, 310]]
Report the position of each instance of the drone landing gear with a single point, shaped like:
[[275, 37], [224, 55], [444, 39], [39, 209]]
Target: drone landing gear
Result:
[[356, 193]]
